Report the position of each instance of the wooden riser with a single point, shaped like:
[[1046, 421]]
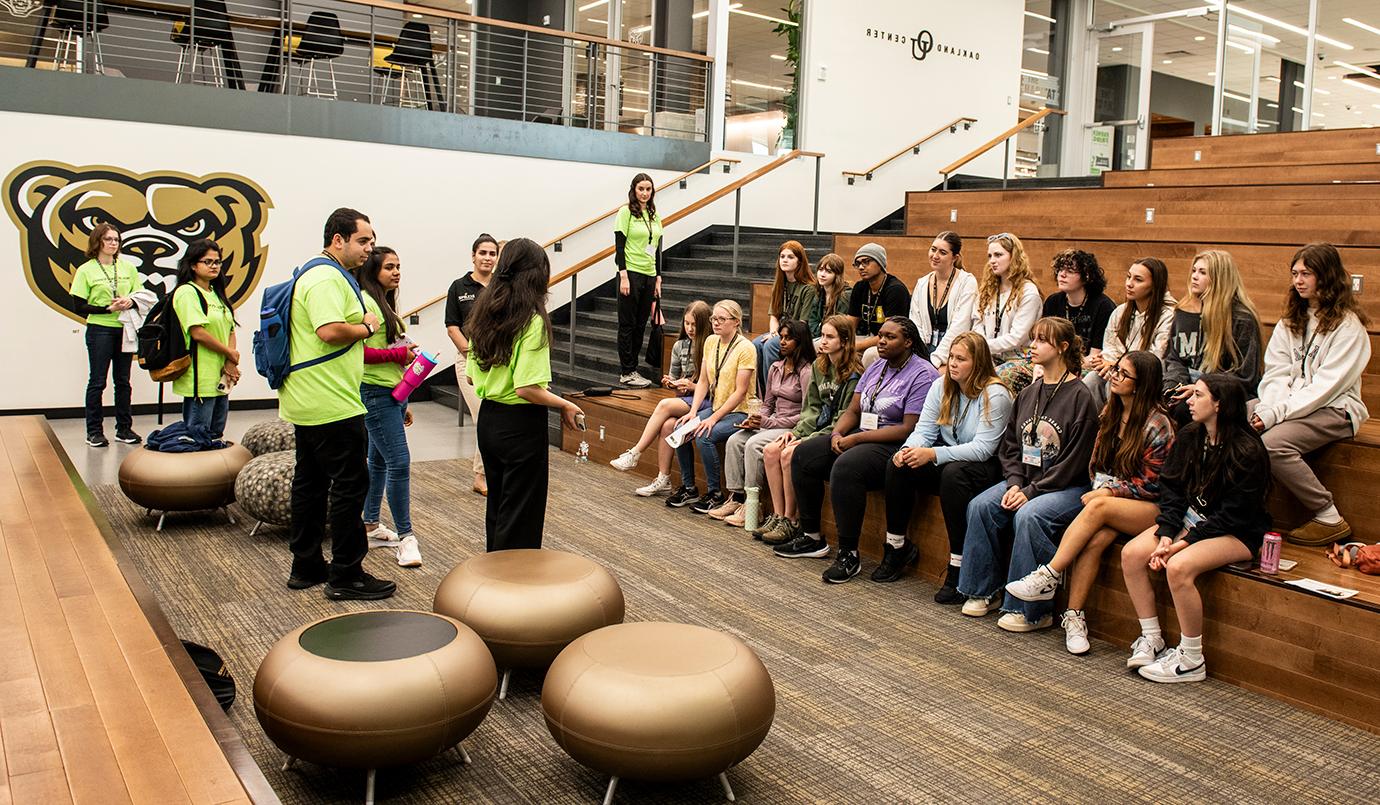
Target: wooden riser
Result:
[[1333, 146]]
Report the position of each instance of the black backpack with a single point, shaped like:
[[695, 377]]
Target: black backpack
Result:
[[163, 350], [213, 670]]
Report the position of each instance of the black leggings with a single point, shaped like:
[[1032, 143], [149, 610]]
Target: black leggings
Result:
[[955, 482], [633, 312], [851, 476], [512, 440]]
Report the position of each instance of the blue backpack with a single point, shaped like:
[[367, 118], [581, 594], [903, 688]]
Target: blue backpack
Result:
[[272, 341]]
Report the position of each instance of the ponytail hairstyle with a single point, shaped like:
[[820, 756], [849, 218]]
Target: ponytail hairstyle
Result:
[[989, 287], [955, 246], [1159, 291], [367, 276], [699, 312], [503, 310], [186, 267], [1120, 453], [846, 361], [635, 206], [1211, 473], [982, 376], [480, 241], [835, 289], [1224, 294], [918, 346], [1058, 330], [1335, 298]]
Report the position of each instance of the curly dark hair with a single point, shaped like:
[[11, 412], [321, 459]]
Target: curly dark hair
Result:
[[1085, 263]]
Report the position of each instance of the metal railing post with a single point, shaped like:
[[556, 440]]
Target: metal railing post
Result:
[[590, 93], [284, 45], [574, 297], [816, 220], [371, 54], [452, 64], [737, 216], [1005, 161], [651, 92], [526, 76]]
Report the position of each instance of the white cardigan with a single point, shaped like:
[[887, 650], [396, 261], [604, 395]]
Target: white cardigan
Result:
[[1016, 324], [960, 303], [1113, 348], [1329, 376]]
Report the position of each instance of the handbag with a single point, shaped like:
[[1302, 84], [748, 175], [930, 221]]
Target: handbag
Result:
[[654, 341]]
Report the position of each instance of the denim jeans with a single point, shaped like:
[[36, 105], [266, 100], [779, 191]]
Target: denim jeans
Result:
[[209, 412], [708, 446], [991, 530], [104, 355], [390, 463], [768, 352]]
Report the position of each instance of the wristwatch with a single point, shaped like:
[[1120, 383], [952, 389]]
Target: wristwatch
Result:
[[369, 327]]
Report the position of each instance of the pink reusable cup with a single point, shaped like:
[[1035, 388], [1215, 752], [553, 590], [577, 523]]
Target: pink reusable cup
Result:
[[414, 375]]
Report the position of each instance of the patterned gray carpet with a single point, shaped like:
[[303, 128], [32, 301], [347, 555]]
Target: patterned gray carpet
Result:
[[883, 696]]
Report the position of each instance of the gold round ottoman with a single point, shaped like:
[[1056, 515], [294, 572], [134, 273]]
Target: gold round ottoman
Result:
[[374, 689], [180, 482], [658, 701], [528, 604]]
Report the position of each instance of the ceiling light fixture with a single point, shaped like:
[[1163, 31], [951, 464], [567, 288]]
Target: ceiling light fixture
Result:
[[1037, 50], [1038, 16], [1361, 25], [1358, 68], [595, 4], [1034, 73], [755, 85], [737, 8], [1240, 47], [1356, 83], [1167, 61], [1117, 49], [1200, 39], [1266, 38], [1245, 12]]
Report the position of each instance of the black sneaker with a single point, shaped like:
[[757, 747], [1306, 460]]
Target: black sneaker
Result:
[[846, 565], [128, 437], [707, 502], [304, 575], [681, 498], [803, 547], [949, 594], [97, 440], [363, 588], [894, 561]]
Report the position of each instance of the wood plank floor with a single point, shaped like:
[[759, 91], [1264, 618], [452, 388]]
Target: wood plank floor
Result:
[[92, 708]]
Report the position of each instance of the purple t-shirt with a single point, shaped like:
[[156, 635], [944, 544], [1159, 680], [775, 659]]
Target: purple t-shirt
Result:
[[891, 394]]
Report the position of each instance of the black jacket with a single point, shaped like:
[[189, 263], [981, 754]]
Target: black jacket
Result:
[[1234, 505]]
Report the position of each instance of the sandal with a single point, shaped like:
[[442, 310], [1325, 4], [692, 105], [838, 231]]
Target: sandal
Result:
[[1343, 555]]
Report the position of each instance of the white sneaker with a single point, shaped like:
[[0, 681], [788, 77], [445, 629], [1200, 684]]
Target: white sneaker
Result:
[[1173, 667], [634, 381], [626, 461], [409, 553], [1144, 651], [1075, 625], [979, 607], [660, 486], [1016, 622], [1038, 585], [383, 537]]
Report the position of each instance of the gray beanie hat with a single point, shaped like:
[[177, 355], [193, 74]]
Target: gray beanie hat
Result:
[[875, 251]]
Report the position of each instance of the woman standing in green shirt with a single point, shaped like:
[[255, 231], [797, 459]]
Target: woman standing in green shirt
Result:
[[510, 364], [208, 327], [386, 353], [101, 288], [637, 252]]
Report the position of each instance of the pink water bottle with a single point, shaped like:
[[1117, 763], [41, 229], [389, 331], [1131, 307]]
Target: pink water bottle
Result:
[[414, 375], [1269, 553]]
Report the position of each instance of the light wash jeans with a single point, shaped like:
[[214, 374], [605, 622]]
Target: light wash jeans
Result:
[[768, 352], [708, 446], [210, 412], [992, 529], [390, 462]]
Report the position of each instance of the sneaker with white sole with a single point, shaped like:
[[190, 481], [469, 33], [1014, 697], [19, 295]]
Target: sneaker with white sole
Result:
[[1144, 651], [730, 506], [627, 461], [660, 486], [383, 537], [634, 380], [1039, 584], [737, 519], [409, 552], [1174, 667], [769, 525], [803, 547], [1016, 622], [1075, 624], [979, 607]]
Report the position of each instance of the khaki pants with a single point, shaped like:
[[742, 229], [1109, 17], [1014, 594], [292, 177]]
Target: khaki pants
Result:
[[1290, 440], [472, 403]]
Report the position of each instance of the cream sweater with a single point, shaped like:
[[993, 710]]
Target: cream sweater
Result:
[[1328, 376], [1113, 348], [960, 303]]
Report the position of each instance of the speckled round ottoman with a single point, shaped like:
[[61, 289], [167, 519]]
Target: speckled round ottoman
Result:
[[528, 604], [658, 701], [369, 690], [264, 488], [179, 482], [271, 436]]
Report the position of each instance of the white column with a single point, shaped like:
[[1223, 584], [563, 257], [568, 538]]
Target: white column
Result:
[[718, 50], [1080, 88]]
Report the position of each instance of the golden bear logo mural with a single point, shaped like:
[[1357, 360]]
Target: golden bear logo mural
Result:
[[56, 205]]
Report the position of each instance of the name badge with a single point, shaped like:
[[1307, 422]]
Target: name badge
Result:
[[870, 422], [1030, 454], [1192, 518], [650, 250], [1101, 480]]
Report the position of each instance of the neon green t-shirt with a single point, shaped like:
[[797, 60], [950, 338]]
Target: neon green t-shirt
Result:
[[643, 234], [328, 391], [380, 374], [530, 365], [93, 282], [219, 321]]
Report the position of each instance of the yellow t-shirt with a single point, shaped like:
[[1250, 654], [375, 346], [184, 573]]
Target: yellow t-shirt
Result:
[[722, 365], [530, 365]]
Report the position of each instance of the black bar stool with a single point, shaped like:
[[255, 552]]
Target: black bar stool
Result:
[[412, 56], [320, 40], [205, 36]]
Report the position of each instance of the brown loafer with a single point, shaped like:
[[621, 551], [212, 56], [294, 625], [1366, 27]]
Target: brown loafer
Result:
[[1316, 533]]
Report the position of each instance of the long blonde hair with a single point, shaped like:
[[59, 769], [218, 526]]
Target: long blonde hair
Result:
[[978, 382], [846, 361], [989, 288], [1224, 293]]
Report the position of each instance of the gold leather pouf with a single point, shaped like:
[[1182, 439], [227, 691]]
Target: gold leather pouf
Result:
[[658, 701], [180, 482], [528, 604], [374, 689]]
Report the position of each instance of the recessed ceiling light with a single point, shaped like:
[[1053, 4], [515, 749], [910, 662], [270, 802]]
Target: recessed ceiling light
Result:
[[1200, 39], [1167, 61], [1116, 50], [1361, 25]]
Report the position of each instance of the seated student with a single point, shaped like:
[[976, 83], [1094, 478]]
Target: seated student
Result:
[[1140, 323], [1044, 460], [950, 454], [854, 456], [832, 380], [834, 293], [794, 295], [686, 354], [1216, 329], [1081, 298], [1212, 513], [1310, 395], [1133, 441], [728, 377], [942, 304], [877, 296], [787, 381], [1008, 304]]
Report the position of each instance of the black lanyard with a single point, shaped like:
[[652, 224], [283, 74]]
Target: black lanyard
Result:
[[718, 361], [997, 330], [1040, 407], [1307, 346], [113, 280], [944, 299], [881, 381]]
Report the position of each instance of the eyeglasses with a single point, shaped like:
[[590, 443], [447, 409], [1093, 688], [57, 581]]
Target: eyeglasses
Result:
[[1121, 374], [209, 263], [110, 239], [861, 261], [1066, 270], [721, 319], [1000, 235]]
